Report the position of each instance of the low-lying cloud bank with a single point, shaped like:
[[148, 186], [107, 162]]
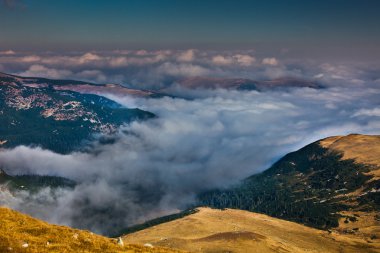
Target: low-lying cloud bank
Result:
[[213, 140], [163, 68]]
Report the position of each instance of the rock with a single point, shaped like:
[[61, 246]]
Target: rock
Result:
[[148, 245], [120, 241], [75, 236], [25, 245]]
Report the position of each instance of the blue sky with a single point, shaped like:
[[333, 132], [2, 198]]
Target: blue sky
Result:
[[334, 25]]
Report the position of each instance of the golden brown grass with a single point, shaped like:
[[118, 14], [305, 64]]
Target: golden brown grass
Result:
[[211, 230], [17, 229], [362, 148]]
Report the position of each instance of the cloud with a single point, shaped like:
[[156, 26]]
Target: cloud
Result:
[[30, 58], [37, 70], [270, 61], [42, 71], [158, 166], [244, 60], [7, 52], [238, 59], [89, 57], [187, 56], [155, 69], [221, 60], [182, 70], [374, 112]]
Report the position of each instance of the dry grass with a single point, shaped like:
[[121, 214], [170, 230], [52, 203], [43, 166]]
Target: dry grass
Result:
[[17, 229], [211, 230], [362, 148]]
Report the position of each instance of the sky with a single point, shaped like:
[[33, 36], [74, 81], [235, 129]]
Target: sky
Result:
[[345, 28]]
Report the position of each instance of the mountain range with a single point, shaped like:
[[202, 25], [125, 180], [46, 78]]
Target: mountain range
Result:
[[324, 197]]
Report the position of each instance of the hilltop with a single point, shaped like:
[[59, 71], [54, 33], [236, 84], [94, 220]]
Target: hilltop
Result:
[[211, 230], [329, 184]]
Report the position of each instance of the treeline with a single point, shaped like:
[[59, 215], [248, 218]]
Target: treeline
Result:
[[305, 186]]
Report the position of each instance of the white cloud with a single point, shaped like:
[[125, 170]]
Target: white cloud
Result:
[[183, 69], [30, 58], [238, 59], [88, 57], [186, 56], [7, 52], [244, 60], [270, 61], [42, 71], [374, 112], [221, 60]]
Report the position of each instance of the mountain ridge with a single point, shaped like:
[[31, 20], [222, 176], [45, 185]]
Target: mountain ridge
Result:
[[67, 118], [315, 186]]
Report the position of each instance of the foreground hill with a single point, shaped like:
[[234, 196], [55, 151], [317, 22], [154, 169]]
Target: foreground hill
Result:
[[210, 230], [35, 111], [21, 233], [332, 183]]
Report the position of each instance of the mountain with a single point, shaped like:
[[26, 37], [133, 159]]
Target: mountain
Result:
[[210, 230], [22, 233], [32, 183], [77, 86], [333, 184], [55, 115], [245, 84]]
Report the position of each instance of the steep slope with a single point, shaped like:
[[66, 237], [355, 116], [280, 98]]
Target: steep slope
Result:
[[34, 112], [211, 230], [327, 184], [21, 233]]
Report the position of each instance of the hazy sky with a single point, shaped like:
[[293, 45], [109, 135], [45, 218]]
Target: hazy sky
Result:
[[307, 28]]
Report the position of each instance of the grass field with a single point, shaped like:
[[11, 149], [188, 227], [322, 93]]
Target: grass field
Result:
[[212, 230]]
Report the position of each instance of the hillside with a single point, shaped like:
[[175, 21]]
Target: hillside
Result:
[[21, 233], [332, 183], [212, 231], [67, 118], [31, 183], [245, 84]]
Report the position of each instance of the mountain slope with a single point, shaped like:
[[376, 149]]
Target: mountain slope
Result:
[[21, 233], [245, 84], [33, 112], [320, 185], [211, 230]]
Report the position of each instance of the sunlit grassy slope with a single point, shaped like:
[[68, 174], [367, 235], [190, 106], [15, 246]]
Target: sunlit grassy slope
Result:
[[362, 148], [22, 233], [213, 230]]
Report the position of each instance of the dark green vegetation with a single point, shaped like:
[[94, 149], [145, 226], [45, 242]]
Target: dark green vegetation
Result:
[[57, 120], [155, 222], [33, 183], [307, 186]]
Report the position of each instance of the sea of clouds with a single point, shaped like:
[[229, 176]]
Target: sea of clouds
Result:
[[214, 138]]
